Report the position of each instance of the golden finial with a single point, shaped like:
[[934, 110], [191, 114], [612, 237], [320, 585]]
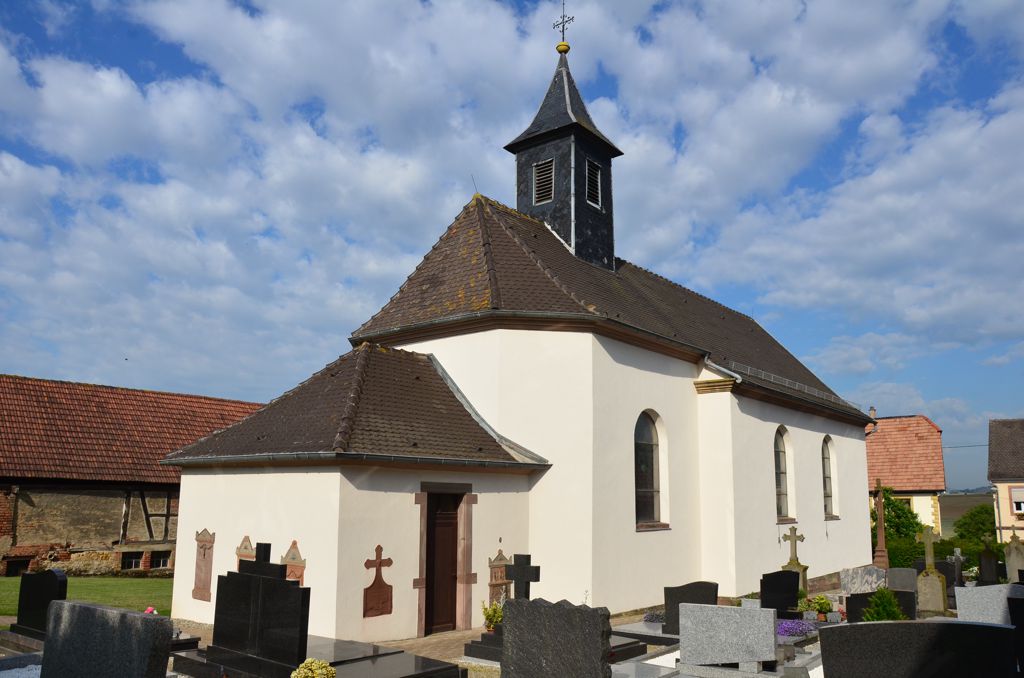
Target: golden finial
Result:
[[563, 47]]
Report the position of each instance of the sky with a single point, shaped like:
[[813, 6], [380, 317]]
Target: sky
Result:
[[209, 196]]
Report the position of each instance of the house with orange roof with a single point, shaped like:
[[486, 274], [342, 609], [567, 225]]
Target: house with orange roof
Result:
[[905, 453], [80, 478]]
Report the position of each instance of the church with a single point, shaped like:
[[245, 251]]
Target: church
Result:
[[527, 390]]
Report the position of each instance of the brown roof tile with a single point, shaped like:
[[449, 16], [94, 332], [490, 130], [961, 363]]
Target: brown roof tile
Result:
[[1006, 449], [496, 259], [370, 401], [906, 454], [86, 432]]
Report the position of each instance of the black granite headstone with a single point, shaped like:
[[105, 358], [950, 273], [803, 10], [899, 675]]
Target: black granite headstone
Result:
[[939, 649], [988, 572], [780, 590], [262, 567], [34, 597], [521, 573], [260, 622], [856, 603], [698, 592], [545, 639]]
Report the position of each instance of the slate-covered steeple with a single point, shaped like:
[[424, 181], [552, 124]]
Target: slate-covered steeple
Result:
[[564, 170]]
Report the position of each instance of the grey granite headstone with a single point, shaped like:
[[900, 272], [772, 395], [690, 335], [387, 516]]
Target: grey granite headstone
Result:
[[901, 579], [939, 649], [716, 634], [865, 579], [752, 603], [545, 639], [986, 604], [698, 592], [85, 640]]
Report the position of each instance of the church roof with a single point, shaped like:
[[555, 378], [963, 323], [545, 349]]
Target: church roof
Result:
[[906, 454], [562, 108], [62, 430], [1006, 449], [495, 263], [373, 404]]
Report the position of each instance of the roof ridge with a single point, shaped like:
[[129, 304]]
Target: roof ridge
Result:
[[485, 243], [128, 388], [546, 270], [348, 417]]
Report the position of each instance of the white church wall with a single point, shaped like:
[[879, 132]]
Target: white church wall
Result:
[[269, 505], [536, 389], [829, 545], [718, 507], [630, 567], [377, 507]]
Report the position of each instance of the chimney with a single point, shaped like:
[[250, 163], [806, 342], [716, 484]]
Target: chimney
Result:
[[873, 412]]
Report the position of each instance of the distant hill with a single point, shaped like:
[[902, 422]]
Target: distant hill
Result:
[[983, 489]]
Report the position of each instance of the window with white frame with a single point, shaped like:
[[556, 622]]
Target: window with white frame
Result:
[[781, 480], [645, 464], [826, 475], [544, 181], [1017, 498]]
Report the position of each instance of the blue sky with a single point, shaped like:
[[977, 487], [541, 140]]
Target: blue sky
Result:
[[209, 196]]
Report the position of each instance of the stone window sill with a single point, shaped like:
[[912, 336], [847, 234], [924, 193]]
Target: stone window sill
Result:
[[784, 520], [652, 527], [831, 517]]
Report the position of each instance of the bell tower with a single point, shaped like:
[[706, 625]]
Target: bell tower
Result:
[[564, 170]]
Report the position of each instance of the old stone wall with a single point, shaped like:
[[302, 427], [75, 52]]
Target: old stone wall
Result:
[[85, 518]]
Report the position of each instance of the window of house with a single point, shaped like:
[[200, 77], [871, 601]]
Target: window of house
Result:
[[781, 487], [160, 559], [544, 181], [593, 183], [645, 457], [131, 560], [1017, 499], [826, 474], [17, 566]]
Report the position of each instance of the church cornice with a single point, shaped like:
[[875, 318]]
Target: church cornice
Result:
[[714, 385]]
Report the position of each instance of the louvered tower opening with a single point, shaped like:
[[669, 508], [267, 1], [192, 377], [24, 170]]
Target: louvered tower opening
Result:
[[544, 181], [593, 183]]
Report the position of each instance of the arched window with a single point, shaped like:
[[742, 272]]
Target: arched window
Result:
[[645, 458], [781, 486], [826, 474]]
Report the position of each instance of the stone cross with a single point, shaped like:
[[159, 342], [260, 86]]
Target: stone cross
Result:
[[793, 538], [928, 538], [378, 562], [377, 597], [881, 557], [521, 573]]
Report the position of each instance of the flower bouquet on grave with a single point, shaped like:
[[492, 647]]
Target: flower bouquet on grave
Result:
[[314, 668], [792, 628], [493, 613]]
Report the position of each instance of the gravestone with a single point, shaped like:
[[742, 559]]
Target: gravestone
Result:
[[714, 634], [779, 591], [988, 568], [881, 555], [261, 619], [987, 604], [499, 586], [931, 585], [35, 594], [245, 551], [856, 603], [794, 563], [204, 565], [294, 563], [521, 573], [84, 640], [545, 639], [377, 596], [1014, 555], [900, 649], [698, 593], [901, 579], [866, 579], [957, 559], [1016, 607]]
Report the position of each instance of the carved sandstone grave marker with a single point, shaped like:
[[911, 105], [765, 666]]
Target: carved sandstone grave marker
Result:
[[377, 596], [295, 563], [204, 565], [794, 564], [931, 585]]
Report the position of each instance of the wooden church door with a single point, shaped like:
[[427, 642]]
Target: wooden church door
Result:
[[442, 561]]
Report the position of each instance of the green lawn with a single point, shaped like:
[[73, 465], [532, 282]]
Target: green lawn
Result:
[[128, 592]]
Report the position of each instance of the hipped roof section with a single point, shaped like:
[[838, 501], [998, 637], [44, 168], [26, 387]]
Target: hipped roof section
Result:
[[371, 404], [1006, 449], [494, 261], [905, 453]]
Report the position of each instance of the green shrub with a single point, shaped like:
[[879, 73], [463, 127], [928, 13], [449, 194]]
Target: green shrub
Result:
[[883, 606], [903, 551], [493, 614], [900, 519], [976, 524]]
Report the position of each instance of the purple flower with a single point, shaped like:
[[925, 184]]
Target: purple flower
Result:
[[794, 627]]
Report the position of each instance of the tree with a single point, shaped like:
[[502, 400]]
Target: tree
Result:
[[900, 519], [977, 523], [883, 606]]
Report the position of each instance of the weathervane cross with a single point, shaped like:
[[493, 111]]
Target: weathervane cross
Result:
[[563, 22]]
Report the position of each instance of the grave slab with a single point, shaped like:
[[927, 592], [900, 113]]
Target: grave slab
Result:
[[720, 635], [865, 579], [901, 579], [986, 604], [84, 640], [35, 593], [779, 591], [929, 649], [698, 593]]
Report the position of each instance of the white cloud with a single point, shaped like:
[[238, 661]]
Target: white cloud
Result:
[[866, 353]]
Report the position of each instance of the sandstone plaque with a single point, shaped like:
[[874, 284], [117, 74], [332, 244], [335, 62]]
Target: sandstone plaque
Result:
[[295, 563], [245, 551], [204, 565], [377, 596]]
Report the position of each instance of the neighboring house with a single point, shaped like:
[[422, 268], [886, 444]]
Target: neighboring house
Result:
[[527, 390], [80, 479], [1006, 472], [905, 453]]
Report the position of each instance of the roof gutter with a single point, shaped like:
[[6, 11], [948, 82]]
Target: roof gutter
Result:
[[718, 368], [273, 457]]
